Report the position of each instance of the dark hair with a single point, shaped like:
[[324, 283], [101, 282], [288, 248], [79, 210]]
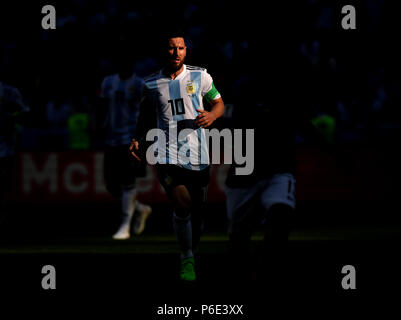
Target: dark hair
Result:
[[174, 32]]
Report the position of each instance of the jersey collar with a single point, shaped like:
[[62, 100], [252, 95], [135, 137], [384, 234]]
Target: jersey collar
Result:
[[184, 70]]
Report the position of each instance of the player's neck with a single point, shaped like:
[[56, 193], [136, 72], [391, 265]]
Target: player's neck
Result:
[[173, 73]]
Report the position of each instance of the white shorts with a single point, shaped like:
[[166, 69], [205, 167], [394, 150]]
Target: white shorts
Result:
[[246, 206]]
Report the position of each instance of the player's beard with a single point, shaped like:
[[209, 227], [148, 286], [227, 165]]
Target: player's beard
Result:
[[174, 67]]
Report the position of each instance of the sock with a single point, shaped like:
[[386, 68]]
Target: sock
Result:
[[128, 204], [183, 232], [197, 227]]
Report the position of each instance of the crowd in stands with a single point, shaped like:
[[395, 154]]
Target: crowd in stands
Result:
[[352, 74]]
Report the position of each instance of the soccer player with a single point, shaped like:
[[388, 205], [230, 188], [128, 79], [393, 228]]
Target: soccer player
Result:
[[119, 105], [266, 197], [12, 111], [173, 98], [270, 99]]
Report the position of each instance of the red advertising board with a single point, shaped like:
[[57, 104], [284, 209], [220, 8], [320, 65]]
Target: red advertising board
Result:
[[78, 176]]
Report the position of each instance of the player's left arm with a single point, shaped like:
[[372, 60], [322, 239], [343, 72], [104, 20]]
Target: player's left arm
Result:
[[146, 121], [213, 97], [206, 118]]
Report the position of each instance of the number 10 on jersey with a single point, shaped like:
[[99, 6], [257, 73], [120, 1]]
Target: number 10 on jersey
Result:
[[177, 106]]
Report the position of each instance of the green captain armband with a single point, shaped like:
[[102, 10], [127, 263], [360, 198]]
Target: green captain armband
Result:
[[211, 94]]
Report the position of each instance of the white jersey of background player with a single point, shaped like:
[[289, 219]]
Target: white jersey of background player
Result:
[[122, 114], [122, 93], [177, 102]]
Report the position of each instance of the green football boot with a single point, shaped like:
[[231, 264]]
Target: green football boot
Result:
[[188, 269]]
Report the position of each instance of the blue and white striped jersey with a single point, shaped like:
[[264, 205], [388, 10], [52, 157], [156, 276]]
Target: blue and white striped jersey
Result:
[[10, 97], [123, 108], [176, 102]]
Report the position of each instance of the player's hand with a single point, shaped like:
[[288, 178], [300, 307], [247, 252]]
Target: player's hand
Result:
[[134, 147], [205, 118]]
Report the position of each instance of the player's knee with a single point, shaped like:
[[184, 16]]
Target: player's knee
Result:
[[182, 204], [181, 198]]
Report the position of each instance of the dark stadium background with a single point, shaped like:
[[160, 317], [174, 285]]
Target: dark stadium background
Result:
[[347, 206]]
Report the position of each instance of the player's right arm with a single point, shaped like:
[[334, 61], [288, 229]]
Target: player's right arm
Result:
[[213, 98], [146, 121]]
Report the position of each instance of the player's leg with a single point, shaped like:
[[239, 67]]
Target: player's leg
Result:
[[198, 188], [172, 179], [199, 197], [132, 171], [128, 204], [272, 258], [241, 209], [182, 224], [113, 172], [182, 203], [278, 200], [142, 213]]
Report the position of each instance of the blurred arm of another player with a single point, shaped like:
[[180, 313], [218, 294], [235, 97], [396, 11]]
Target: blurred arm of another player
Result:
[[146, 121]]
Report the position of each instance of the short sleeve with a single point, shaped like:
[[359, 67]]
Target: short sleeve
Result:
[[209, 91]]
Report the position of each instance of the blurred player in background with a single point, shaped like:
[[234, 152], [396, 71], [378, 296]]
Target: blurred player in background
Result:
[[173, 97], [266, 196], [12, 111], [270, 100], [118, 111]]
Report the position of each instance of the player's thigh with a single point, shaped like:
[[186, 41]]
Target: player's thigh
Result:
[[172, 180], [197, 184], [279, 189], [168, 177], [180, 197]]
